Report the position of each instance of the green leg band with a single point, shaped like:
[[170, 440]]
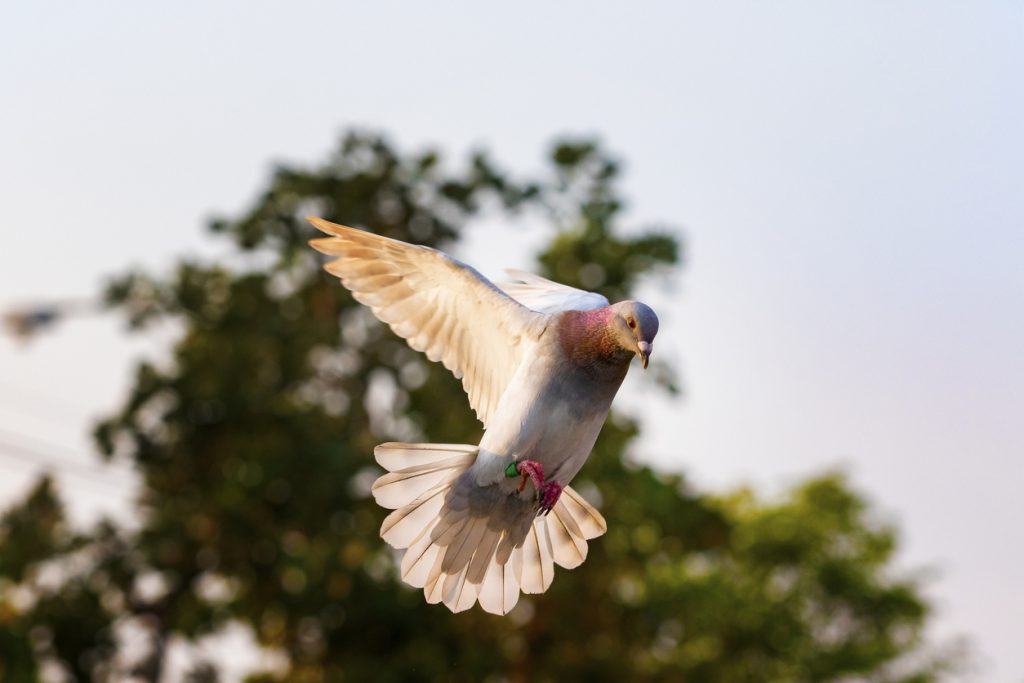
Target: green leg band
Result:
[[511, 472]]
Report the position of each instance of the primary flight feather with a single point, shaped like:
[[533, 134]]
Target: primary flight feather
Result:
[[541, 363]]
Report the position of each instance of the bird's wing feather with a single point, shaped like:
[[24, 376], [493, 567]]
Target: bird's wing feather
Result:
[[544, 296], [438, 305]]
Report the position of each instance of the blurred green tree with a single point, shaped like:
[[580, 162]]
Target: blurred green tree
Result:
[[253, 445]]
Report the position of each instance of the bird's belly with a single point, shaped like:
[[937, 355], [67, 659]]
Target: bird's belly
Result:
[[553, 427], [566, 441]]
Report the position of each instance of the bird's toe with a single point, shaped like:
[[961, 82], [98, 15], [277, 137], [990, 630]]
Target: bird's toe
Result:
[[549, 495]]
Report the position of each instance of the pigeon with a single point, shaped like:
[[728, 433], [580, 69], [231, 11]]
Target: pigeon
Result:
[[541, 363]]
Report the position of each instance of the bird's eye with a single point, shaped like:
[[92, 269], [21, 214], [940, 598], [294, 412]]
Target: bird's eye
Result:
[[631, 323]]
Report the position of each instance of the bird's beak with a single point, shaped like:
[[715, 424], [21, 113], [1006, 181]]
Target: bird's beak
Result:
[[643, 349]]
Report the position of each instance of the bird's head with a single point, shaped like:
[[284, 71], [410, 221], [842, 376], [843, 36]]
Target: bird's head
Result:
[[635, 326]]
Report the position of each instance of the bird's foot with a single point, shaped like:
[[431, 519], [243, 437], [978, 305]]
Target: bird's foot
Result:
[[528, 470], [549, 494]]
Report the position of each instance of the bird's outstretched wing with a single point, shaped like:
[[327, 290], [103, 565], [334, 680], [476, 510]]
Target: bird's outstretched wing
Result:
[[545, 296], [439, 305]]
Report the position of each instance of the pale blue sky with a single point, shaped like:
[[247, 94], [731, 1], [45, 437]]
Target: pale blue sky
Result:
[[849, 178]]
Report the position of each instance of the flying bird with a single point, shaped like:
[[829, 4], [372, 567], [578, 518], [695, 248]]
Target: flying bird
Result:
[[541, 363]]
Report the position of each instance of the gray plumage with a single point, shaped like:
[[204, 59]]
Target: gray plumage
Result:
[[541, 363]]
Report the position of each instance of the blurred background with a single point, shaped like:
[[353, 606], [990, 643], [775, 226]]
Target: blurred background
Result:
[[823, 201]]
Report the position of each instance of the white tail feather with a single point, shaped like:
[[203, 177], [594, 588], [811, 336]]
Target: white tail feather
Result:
[[400, 487], [406, 524], [568, 548], [419, 560], [460, 559], [590, 521], [499, 591], [538, 559], [395, 457], [483, 557]]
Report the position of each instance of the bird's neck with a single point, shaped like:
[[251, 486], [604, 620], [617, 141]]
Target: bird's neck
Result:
[[588, 340]]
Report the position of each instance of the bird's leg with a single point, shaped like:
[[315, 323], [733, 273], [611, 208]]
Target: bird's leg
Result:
[[549, 495], [547, 492], [527, 469]]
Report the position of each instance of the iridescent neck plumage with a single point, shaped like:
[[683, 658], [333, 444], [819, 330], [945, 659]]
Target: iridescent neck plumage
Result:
[[587, 337]]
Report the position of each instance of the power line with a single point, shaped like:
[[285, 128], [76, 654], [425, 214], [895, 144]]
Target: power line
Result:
[[47, 448], [81, 485], [12, 450], [20, 394]]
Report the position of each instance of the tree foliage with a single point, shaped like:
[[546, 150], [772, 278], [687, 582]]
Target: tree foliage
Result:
[[253, 445]]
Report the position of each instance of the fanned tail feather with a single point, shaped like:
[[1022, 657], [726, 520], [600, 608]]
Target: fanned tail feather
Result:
[[462, 547]]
